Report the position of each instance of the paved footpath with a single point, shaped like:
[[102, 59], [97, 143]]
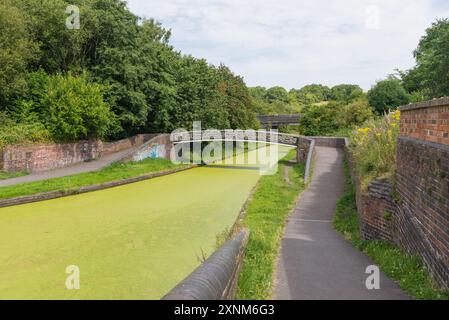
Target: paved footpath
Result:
[[316, 262], [80, 167]]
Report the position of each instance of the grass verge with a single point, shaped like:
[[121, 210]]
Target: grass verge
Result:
[[265, 217], [114, 172], [408, 271], [9, 175]]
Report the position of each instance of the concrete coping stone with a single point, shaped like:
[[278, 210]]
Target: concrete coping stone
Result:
[[426, 104], [216, 278]]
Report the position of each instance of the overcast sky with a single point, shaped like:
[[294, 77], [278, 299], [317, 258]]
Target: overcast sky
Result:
[[296, 42]]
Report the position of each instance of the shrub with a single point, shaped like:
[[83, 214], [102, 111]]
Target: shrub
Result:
[[388, 95], [70, 107], [12, 132], [346, 92], [319, 119], [374, 147], [334, 117]]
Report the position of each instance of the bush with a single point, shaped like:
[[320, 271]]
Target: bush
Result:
[[388, 95], [12, 132], [70, 107], [320, 119], [346, 92], [374, 148], [334, 117]]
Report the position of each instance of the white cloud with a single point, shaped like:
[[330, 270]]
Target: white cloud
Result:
[[295, 42]]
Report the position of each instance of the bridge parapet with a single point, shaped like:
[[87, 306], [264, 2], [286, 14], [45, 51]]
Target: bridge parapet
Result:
[[260, 136], [275, 121]]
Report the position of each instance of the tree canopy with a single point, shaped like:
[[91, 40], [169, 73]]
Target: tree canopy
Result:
[[430, 77], [388, 95], [136, 77]]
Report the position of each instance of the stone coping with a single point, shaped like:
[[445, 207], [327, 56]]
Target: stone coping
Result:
[[426, 104], [216, 278]]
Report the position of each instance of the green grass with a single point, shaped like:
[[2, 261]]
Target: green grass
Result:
[[265, 217], [9, 175], [408, 271], [114, 172]]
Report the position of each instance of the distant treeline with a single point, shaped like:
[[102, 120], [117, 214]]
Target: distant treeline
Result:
[[337, 110], [118, 75], [115, 76]]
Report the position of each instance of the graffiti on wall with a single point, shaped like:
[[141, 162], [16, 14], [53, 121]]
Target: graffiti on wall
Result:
[[152, 151]]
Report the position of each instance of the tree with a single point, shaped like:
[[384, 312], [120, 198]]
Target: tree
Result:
[[346, 92], [16, 52], [258, 92], [276, 94], [328, 118], [241, 111], [70, 107], [430, 76], [312, 93], [387, 95]]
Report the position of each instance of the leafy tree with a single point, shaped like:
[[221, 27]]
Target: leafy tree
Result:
[[70, 107], [312, 93], [328, 118], [17, 50], [430, 76], [258, 92], [318, 120], [346, 92], [276, 94], [241, 111], [387, 95], [354, 114]]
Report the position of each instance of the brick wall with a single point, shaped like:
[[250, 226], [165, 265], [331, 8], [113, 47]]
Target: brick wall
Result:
[[423, 187], [42, 157], [1, 160], [428, 121], [375, 206], [333, 142], [415, 213]]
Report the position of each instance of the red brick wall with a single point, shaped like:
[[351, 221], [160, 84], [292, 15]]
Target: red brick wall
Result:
[[1, 160], [428, 121], [422, 177], [419, 201], [42, 157], [375, 206]]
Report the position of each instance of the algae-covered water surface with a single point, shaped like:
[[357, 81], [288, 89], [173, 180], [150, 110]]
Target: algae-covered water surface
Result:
[[130, 242]]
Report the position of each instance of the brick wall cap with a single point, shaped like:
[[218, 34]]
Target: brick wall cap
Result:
[[426, 104]]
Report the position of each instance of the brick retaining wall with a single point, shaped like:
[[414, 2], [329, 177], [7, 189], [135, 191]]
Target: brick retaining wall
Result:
[[42, 157], [49, 156], [414, 213]]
